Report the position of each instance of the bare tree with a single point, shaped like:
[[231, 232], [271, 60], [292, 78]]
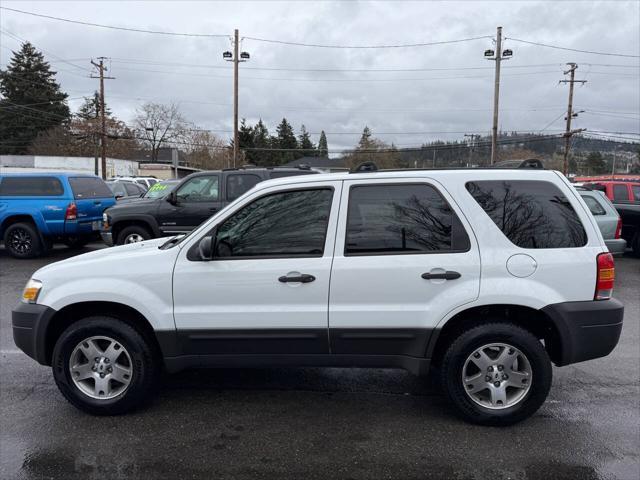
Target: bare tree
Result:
[[159, 124], [206, 150]]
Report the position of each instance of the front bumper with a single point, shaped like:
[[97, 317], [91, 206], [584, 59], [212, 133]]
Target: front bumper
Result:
[[107, 237], [30, 322], [587, 330], [616, 246]]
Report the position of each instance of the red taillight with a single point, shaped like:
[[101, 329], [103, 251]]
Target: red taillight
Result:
[[72, 212], [619, 228], [606, 277]]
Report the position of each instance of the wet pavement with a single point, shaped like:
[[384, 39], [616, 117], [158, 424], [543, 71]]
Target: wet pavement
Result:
[[319, 423]]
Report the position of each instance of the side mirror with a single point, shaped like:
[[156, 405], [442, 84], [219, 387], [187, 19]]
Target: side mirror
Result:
[[172, 198], [205, 248], [119, 196]]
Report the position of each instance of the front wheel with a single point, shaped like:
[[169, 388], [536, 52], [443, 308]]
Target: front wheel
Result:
[[496, 374], [133, 234], [104, 367]]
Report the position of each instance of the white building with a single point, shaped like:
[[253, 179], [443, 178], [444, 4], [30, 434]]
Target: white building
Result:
[[39, 163]]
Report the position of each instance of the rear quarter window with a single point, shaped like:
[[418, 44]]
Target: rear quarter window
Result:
[[530, 213], [89, 187], [594, 206], [30, 187]]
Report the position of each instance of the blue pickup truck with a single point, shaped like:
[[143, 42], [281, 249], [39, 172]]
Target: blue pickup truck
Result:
[[38, 209]]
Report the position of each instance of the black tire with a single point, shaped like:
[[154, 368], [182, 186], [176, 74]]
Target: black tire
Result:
[[133, 230], [145, 363], [463, 346], [22, 240]]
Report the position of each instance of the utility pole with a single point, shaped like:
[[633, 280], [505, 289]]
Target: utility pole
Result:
[[472, 144], [236, 57], [103, 129], [498, 55], [570, 115]]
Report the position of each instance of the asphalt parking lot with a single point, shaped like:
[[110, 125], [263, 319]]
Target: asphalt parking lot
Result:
[[319, 423]]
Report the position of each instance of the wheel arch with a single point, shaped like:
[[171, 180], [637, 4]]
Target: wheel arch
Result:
[[76, 312], [535, 321], [144, 222]]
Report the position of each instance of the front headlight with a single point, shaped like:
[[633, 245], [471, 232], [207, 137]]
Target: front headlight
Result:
[[31, 291], [105, 218]]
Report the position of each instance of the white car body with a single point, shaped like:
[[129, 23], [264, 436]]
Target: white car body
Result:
[[173, 293]]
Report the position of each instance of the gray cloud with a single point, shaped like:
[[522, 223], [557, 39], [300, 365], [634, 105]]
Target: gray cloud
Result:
[[341, 102]]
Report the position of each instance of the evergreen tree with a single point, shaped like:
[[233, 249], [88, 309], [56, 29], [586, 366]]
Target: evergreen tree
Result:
[[261, 140], [323, 148], [287, 142], [305, 143], [32, 101], [595, 163], [366, 140], [91, 108], [245, 141]]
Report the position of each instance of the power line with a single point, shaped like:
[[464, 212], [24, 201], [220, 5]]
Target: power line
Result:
[[572, 49], [405, 45], [113, 27]]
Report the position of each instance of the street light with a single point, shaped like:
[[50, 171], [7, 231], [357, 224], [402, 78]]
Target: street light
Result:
[[236, 57]]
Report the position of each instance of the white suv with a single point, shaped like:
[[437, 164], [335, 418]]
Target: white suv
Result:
[[488, 275]]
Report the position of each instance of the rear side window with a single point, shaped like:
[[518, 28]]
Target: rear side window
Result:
[[620, 193], [238, 184], [636, 192], [89, 187], [594, 206], [532, 214], [30, 187], [401, 219]]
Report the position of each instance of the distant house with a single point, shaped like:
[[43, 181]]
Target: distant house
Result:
[[324, 164]]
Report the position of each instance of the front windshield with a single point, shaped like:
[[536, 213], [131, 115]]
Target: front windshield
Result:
[[161, 189]]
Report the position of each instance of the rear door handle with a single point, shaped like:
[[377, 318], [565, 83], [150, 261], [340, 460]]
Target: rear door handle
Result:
[[304, 278], [448, 275]]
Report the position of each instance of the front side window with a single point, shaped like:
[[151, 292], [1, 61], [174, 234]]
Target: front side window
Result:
[[594, 205], [530, 213], [118, 189], [240, 183], [203, 188], [133, 189], [620, 193], [30, 187], [636, 192], [284, 224], [89, 187], [397, 219]]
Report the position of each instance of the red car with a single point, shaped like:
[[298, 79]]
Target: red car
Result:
[[625, 196]]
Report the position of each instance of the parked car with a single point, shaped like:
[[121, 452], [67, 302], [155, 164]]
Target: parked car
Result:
[[125, 190], [626, 199], [146, 182], [190, 203], [37, 209], [402, 269], [607, 217]]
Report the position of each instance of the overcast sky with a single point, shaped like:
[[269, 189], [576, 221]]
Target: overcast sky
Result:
[[450, 89]]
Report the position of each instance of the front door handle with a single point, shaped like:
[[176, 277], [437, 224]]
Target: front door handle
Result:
[[213, 209], [448, 275], [303, 278]]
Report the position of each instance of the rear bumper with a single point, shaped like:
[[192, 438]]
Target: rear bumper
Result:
[[616, 246], [30, 324], [587, 330]]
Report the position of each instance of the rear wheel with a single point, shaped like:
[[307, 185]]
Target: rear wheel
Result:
[[496, 374], [104, 367], [22, 240], [133, 234]]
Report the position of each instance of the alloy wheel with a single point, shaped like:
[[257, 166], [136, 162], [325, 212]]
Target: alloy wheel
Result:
[[101, 367], [497, 376]]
